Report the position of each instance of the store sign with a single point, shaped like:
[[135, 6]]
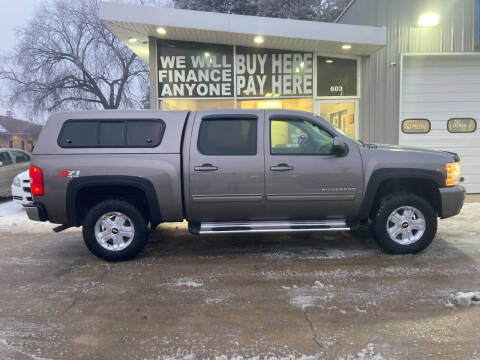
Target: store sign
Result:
[[462, 125], [336, 76], [416, 126], [198, 70], [273, 73], [191, 70]]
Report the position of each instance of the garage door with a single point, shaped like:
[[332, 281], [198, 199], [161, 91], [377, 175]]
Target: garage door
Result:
[[440, 108]]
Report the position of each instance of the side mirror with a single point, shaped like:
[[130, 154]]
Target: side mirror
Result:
[[339, 147]]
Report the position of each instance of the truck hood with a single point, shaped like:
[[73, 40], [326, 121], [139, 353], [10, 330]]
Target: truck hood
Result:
[[449, 156]]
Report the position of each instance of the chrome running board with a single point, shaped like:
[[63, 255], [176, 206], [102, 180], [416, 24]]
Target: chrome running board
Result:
[[232, 227]]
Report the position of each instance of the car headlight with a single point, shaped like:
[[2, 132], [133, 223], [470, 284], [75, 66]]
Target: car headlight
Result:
[[16, 181], [453, 174]]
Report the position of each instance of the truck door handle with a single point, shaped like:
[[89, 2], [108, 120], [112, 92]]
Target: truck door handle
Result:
[[282, 167], [205, 167]]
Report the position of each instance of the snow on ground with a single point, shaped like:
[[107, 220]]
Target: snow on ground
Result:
[[14, 219], [463, 299], [11, 208], [369, 352], [189, 282]]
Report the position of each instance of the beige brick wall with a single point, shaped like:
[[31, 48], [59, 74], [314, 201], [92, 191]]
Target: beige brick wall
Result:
[[24, 142]]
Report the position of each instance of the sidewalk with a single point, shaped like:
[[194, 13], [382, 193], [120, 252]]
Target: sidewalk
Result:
[[471, 198]]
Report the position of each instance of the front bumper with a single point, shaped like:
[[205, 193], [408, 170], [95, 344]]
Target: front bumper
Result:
[[36, 212], [451, 200]]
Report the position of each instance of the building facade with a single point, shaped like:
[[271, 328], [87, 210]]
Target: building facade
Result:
[[403, 72], [202, 60], [423, 87], [18, 134]]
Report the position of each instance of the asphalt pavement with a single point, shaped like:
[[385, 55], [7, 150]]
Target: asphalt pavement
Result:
[[310, 295]]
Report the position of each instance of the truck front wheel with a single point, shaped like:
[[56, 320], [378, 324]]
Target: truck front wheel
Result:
[[404, 223], [115, 230]]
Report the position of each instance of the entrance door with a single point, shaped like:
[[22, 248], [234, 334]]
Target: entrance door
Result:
[[343, 114], [304, 180], [226, 166]]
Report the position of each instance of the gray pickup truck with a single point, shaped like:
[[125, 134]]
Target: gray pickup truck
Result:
[[233, 171]]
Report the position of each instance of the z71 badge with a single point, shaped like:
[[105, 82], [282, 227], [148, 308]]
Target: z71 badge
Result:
[[69, 173]]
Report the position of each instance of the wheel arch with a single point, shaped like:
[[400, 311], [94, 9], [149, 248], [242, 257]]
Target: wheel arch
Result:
[[401, 179], [139, 186]]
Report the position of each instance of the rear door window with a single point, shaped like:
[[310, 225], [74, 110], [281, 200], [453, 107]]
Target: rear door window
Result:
[[228, 137]]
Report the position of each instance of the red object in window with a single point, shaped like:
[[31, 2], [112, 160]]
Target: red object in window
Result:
[[36, 181]]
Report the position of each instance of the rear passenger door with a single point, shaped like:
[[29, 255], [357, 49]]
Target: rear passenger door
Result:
[[226, 166]]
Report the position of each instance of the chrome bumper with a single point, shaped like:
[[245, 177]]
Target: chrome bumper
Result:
[[451, 199], [35, 212]]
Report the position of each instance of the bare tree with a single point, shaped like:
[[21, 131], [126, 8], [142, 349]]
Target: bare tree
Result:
[[318, 10], [67, 59]]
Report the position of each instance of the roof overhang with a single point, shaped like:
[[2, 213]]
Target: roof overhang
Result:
[[141, 22]]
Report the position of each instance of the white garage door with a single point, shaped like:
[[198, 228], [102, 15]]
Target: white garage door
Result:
[[439, 88]]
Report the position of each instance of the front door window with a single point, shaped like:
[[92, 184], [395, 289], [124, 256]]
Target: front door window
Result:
[[299, 137]]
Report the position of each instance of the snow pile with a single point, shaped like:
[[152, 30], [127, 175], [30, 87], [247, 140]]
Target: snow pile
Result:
[[464, 299], [11, 208], [189, 282], [367, 353], [317, 295], [192, 356]]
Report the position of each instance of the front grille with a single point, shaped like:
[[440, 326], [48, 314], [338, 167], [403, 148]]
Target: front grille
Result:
[[17, 198]]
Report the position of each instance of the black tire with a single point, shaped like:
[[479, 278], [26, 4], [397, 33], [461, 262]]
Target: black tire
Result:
[[139, 223], [389, 204]]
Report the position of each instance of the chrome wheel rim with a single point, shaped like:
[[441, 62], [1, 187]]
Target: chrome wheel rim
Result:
[[114, 231], [406, 225]]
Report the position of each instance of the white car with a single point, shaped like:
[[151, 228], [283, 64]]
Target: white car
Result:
[[21, 188]]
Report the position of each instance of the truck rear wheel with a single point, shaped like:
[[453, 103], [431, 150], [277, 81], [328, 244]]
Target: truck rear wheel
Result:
[[404, 223], [115, 230]]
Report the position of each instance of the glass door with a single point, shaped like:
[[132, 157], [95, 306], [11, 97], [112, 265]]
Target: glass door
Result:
[[343, 114]]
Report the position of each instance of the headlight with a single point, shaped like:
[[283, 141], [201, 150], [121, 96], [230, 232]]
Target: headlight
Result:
[[16, 181], [453, 174]]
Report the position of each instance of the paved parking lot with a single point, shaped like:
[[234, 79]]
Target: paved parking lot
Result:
[[329, 296]]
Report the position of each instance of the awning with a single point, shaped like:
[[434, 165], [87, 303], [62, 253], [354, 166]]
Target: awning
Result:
[[133, 25]]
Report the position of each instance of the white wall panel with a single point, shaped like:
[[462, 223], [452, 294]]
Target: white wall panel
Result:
[[440, 87]]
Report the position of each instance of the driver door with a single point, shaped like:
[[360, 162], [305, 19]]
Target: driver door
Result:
[[304, 179]]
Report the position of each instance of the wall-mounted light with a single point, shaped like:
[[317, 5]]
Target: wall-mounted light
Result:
[[258, 39], [346, 47], [329, 61], [429, 19], [132, 40], [161, 30]]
